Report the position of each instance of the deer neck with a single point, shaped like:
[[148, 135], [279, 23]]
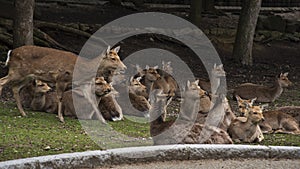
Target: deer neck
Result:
[[189, 108], [215, 83], [149, 85], [276, 89], [39, 99], [157, 110]]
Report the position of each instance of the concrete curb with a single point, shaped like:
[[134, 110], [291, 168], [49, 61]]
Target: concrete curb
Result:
[[131, 155]]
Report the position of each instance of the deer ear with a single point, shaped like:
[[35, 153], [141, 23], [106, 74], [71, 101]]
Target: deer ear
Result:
[[147, 67], [116, 49], [138, 68], [286, 74], [197, 82], [253, 100], [131, 79], [221, 66], [108, 50], [155, 67], [238, 98], [188, 84], [215, 65], [139, 79]]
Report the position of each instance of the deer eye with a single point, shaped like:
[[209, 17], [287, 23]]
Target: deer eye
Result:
[[114, 59], [240, 107], [255, 113]]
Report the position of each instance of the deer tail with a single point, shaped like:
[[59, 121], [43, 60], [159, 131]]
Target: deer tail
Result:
[[8, 57]]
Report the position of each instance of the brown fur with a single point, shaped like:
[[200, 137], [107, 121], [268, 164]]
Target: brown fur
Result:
[[137, 98], [25, 64], [216, 73], [262, 93], [244, 104], [183, 130], [42, 100], [110, 108], [279, 122], [102, 88], [247, 129], [294, 111]]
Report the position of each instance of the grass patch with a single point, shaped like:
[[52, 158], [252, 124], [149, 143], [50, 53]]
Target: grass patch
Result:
[[42, 134]]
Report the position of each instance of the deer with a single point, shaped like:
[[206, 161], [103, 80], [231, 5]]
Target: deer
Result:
[[32, 62], [244, 104], [101, 89], [279, 122], [183, 130], [137, 97], [294, 111], [263, 94], [247, 129], [43, 98], [110, 108], [154, 78], [216, 73]]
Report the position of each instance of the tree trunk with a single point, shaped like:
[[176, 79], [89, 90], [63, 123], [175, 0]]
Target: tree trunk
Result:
[[195, 11], [242, 50], [23, 23]]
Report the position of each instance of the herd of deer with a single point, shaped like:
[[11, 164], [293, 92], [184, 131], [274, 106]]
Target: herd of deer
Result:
[[42, 80]]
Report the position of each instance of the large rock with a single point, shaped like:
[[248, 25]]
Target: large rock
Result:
[[275, 23]]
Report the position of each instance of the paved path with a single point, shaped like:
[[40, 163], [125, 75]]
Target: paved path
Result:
[[217, 164]]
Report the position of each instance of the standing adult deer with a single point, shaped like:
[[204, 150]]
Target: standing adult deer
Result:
[[51, 65]]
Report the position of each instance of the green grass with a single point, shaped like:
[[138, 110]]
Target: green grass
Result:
[[42, 134]]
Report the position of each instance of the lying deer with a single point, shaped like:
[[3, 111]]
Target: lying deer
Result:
[[279, 122], [183, 130], [43, 99], [247, 129], [294, 111], [263, 94], [33, 62], [244, 107], [101, 89]]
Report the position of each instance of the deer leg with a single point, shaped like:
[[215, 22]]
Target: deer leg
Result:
[[60, 116], [3, 81], [16, 90]]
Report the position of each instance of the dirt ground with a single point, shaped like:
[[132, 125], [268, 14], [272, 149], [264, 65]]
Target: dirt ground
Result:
[[270, 59]]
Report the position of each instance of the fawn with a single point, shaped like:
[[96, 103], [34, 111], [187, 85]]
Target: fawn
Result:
[[262, 93], [43, 100]]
